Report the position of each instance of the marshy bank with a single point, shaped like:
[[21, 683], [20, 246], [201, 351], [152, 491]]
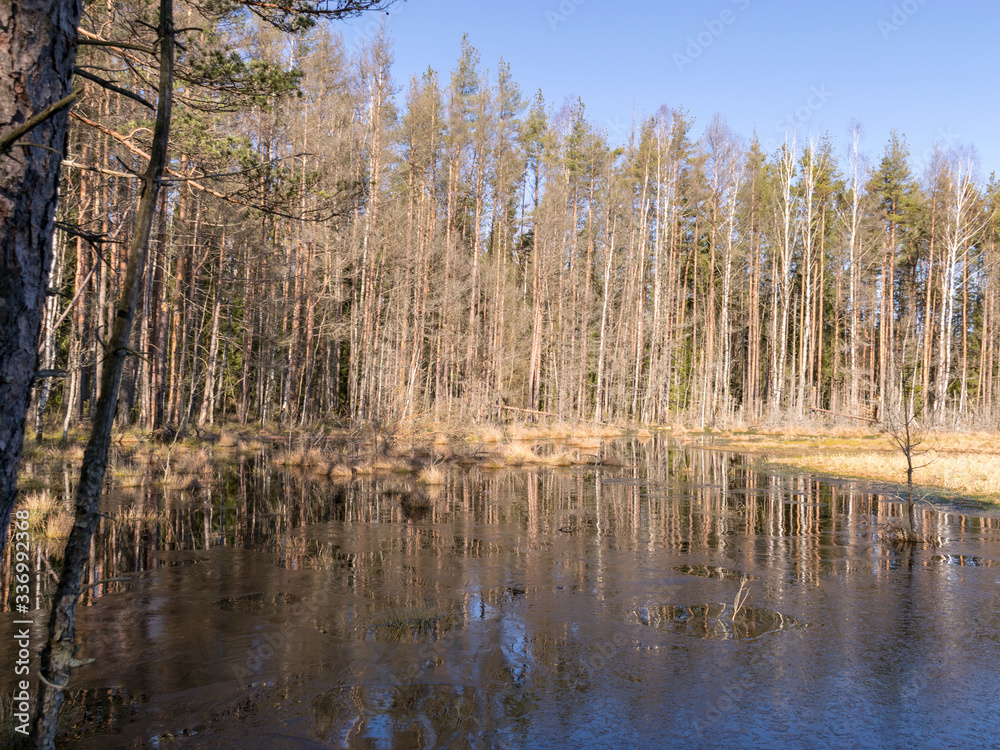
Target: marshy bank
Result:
[[954, 464]]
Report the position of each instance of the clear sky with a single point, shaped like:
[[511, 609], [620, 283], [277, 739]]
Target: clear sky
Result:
[[928, 68]]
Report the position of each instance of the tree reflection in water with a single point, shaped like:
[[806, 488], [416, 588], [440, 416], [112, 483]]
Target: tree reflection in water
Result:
[[527, 607]]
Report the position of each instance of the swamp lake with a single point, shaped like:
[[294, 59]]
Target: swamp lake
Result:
[[690, 598]]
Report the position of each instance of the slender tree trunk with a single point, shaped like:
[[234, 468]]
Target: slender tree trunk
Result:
[[212, 366], [57, 658], [928, 346]]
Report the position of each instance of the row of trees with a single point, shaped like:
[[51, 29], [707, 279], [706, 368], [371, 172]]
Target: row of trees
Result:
[[331, 244]]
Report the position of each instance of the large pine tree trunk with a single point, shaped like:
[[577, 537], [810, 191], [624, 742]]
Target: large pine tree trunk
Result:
[[37, 52]]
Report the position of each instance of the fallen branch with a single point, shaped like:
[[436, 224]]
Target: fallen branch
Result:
[[527, 411]]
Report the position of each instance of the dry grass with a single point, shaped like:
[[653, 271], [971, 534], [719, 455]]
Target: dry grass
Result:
[[494, 462], [302, 458], [58, 525], [228, 439], [562, 458], [517, 454], [385, 465], [128, 476], [62, 451], [485, 433], [431, 475], [39, 505], [286, 458], [340, 471], [966, 473], [585, 441], [521, 431], [582, 433], [156, 455], [182, 482], [966, 463], [48, 518]]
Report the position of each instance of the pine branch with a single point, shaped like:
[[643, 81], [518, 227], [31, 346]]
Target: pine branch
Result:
[[112, 87]]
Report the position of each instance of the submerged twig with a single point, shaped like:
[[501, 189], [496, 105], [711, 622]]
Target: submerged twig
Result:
[[741, 595]]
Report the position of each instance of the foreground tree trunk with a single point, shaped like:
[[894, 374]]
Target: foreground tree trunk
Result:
[[37, 52], [58, 655]]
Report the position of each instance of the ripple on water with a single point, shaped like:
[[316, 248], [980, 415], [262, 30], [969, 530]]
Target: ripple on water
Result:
[[413, 715], [258, 603], [96, 711], [963, 561], [715, 621], [708, 571]]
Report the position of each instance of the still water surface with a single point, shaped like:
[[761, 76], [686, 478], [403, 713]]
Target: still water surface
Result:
[[685, 600]]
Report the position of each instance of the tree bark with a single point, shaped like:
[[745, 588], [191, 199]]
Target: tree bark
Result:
[[37, 53]]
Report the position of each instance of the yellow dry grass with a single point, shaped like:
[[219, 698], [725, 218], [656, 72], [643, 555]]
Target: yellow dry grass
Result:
[[48, 518], [585, 441], [128, 476], [517, 454], [228, 439], [39, 503], [195, 462], [965, 463], [485, 433], [386, 464], [431, 475], [341, 471], [64, 451], [494, 462], [520, 431], [58, 525], [583, 433], [302, 458], [562, 458]]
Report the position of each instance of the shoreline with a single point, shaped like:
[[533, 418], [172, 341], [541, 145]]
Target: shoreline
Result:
[[960, 463], [946, 463]]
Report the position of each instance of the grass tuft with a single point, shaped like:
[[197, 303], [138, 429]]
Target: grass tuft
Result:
[[432, 476]]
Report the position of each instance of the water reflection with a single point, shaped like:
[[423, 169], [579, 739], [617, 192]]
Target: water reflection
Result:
[[716, 621], [555, 607]]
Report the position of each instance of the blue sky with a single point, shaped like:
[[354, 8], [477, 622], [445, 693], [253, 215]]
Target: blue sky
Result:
[[928, 68]]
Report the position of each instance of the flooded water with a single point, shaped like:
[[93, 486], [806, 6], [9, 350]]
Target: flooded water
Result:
[[684, 600]]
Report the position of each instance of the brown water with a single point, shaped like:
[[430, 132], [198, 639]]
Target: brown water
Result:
[[583, 607]]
